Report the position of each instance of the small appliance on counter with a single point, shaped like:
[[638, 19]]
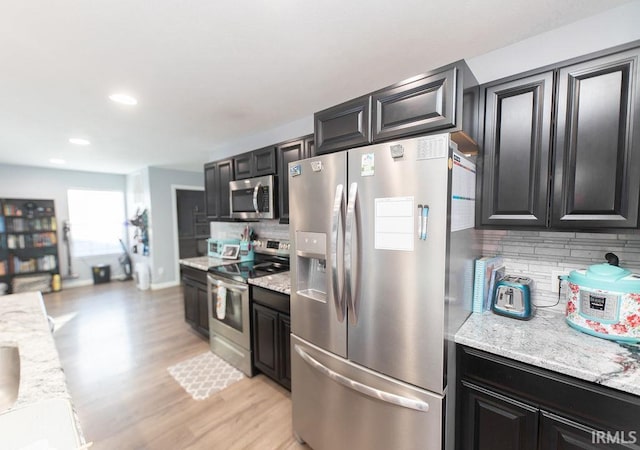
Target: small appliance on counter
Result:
[[215, 247], [604, 301], [513, 297]]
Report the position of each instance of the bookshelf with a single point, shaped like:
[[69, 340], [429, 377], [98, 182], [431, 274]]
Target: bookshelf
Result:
[[28, 244]]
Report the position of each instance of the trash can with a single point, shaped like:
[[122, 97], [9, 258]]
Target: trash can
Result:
[[143, 278], [101, 273]]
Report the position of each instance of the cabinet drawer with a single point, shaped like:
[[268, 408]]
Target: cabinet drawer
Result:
[[272, 299], [199, 276], [601, 407]]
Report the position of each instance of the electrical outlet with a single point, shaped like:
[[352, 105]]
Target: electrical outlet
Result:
[[160, 271], [554, 278]]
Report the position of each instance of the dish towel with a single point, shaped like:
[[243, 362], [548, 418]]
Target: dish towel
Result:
[[221, 302]]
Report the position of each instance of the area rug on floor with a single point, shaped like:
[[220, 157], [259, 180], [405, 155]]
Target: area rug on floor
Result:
[[204, 375]]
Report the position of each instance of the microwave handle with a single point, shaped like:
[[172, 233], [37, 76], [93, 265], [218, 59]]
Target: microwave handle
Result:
[[255, 197]]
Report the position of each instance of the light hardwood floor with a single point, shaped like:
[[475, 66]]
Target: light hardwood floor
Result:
[[116, 342]]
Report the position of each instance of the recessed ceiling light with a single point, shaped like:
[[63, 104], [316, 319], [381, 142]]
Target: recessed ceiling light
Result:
[[57, 161], [79, 141], [124, 99]]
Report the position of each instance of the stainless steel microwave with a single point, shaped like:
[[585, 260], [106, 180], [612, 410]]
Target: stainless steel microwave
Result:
[[253, 198]]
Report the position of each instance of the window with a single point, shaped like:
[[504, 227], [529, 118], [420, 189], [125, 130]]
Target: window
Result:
[[97, 222]]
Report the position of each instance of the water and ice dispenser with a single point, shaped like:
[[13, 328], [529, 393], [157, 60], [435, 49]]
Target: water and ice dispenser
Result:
[[311, 260]]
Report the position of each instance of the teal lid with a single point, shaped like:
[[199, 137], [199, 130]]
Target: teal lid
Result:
[[606, 277]]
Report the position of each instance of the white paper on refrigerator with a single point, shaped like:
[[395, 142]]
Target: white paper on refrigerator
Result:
[[394, 223]]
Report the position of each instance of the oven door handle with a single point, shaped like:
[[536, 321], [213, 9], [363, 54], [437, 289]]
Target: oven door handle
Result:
[[232, 287], [255, 196]]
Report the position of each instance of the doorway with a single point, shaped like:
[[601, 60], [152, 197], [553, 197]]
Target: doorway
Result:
[[193, 226]]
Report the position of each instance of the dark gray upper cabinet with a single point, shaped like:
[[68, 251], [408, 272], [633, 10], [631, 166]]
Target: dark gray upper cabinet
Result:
[[309, 146], [343, 126], [597, 161], [414, 106], [517, 140], [217, 176], [425, 103], [256, 163], [561, 148], [287, 152]]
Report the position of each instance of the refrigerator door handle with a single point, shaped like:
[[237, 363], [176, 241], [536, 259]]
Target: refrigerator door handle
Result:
[[351, 241], [388, 397], [337, 231]]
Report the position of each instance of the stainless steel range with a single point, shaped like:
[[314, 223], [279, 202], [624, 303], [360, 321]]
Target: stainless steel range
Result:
[[228, 302]]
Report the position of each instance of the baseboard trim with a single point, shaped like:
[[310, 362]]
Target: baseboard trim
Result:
[[167, 284]]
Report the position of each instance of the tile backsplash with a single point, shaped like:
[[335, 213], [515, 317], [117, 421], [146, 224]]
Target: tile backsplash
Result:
[[537, 254], [264, 229]]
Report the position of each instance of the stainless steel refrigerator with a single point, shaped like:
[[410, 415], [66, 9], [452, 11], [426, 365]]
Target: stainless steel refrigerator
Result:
[[381, 273]]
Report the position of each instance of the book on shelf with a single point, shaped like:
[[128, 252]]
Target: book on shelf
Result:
[[497, 274], [486, 268]]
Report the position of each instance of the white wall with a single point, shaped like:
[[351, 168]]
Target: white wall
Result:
[[41, 183], [255, 141], [163, 223], [611, 28]]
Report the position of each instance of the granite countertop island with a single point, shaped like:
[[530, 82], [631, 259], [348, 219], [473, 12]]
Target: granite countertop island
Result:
[[547, 341], [23, 322]]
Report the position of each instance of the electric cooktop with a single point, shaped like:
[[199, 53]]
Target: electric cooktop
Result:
[[267, 261]]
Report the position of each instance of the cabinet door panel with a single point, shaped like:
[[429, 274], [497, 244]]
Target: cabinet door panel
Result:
[[264, 162], [264, 340], [211, 190], [343, 126], [415, 107], [309, 147], [516, 144], [559, 433], [225, 174], [242, 166], [190, 291], [292, 151], [597, 175], [491, 421], [203, 308], [284, 347]]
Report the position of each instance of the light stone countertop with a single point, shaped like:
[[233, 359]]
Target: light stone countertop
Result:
[[204, 262], [23, 322], [547, 341], [280, 282]]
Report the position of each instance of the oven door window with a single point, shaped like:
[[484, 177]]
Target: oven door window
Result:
[[229, 311]]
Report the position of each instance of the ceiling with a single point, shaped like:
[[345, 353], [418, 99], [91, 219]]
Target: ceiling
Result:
[[206, 73]]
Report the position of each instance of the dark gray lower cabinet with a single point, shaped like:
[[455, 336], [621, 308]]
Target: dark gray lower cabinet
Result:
[[196, 310], [271, 330], [495, 422], [561, 433], [505, 404]]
